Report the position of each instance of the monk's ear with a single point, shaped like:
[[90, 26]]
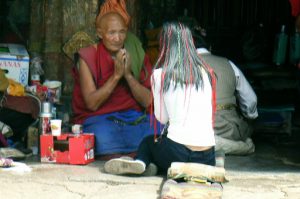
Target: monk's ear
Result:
[[99, 33]]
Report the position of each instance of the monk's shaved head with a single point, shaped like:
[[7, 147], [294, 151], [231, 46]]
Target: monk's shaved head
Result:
[[101, 21], [111, 29]]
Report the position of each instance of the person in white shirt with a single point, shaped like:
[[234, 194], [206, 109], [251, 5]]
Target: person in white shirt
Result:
[[184, 100], [236, 105]]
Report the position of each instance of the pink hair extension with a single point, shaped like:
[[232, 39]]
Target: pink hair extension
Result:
[[177, 49], [213, 85], [160, 58], [178, 46], [162, 49], [168, 47]]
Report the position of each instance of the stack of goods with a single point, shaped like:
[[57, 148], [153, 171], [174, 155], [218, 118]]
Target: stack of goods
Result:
[[193, 180]]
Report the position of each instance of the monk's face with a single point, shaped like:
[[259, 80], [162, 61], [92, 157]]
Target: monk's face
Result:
[[112, 30]]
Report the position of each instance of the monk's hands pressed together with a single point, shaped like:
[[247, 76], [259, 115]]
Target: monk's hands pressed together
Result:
[[123, 64], [120, 63], [127, 65]]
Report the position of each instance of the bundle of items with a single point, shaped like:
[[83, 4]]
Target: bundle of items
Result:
[[193, 180]]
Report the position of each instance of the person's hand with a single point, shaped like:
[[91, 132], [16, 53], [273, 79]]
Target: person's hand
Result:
[[127, 65], [120, 63]]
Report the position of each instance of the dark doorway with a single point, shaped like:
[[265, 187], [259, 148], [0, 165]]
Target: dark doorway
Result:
[[14, 21]]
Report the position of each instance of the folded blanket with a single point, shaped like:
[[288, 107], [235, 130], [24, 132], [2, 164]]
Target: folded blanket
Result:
[[197, 172], [173, 190]]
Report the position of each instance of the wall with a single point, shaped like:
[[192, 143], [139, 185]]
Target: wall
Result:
[[54, 22]]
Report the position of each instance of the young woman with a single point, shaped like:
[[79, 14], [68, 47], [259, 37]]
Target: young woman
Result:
[[184, 100]]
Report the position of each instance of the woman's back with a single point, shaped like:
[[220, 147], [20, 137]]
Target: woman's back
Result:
[[188, 110]]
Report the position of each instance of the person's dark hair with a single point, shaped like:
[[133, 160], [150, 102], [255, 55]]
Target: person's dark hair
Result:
[[178, 57], [199, 41]]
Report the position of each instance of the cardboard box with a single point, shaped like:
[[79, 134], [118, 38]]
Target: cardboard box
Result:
[[15, 59], [67, 148], [274, 120], [33, 139]]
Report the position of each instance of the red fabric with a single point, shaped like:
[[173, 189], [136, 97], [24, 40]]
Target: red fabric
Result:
[[118, 6], [295, 4], [3, 142], [102, 67]]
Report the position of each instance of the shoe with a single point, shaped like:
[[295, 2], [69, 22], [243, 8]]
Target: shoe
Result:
[[121, 166], [126, 158], [151, 170], [9, 152], [27, 152]]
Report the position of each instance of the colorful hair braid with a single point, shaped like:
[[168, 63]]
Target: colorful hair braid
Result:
[[180, 62]]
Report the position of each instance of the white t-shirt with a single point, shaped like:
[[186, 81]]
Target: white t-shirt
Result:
[[189, 111]]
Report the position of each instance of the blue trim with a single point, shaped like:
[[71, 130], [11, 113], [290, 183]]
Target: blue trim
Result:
[[11, 59]]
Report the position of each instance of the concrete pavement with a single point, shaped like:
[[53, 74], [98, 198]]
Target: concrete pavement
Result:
[[271, 172]]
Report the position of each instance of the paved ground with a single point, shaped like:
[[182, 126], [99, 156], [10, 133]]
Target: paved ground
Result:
[[271, 172]]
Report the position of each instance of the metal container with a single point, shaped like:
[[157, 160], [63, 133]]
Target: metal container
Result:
[[45, 117], [44, 126], [46, 107]]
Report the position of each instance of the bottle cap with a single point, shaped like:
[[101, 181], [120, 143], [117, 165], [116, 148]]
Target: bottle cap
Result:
[[46, 115]]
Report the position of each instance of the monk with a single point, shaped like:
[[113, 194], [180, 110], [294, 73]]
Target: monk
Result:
[[112, 94]]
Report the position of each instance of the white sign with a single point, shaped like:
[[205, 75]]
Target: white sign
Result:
[[15, 59]]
